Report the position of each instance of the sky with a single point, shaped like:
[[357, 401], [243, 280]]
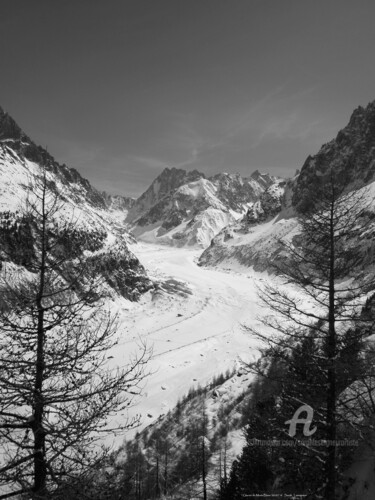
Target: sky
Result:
[[121, 89]]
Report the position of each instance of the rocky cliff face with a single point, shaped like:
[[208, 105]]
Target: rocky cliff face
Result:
[[162, 187], [351, 155], [264, 180], [97, 233], [116, 202], [186, 208], [268, 205]]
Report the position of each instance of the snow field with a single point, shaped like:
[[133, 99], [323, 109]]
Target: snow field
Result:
[[195, 331]]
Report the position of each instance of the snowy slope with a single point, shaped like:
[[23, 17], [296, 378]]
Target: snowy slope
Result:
[[253, 242], [197, 231], [194, 323], [171, 437], [18, 175]]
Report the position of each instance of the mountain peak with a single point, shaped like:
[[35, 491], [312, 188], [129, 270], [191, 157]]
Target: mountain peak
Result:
[[12, 137], [165, 183], [9, 130], [265, 180], [351, 155], [174, 171], [361, 114], [257, 175]]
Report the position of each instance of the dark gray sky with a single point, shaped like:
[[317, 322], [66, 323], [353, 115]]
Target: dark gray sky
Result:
[[119, 89]]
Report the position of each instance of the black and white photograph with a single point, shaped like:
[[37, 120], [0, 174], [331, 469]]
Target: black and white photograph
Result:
[[187, 249]]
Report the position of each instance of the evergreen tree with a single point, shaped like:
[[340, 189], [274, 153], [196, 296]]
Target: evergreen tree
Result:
[[319, 326]]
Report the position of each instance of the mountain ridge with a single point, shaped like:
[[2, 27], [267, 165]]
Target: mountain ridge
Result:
[[188, 208], [351, 153], [103, 238], [256, 241]]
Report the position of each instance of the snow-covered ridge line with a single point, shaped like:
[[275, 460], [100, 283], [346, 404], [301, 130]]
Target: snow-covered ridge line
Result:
[[187, 209], [102, 235]]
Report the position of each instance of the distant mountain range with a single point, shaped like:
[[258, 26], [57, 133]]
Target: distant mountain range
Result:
[[237, 220], [188, 208]]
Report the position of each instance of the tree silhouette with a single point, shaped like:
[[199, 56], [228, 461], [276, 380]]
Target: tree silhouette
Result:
[[59, 397], [318, 324]]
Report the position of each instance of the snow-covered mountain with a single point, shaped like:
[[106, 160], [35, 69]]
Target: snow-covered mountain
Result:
[[116, 202], [255, 239], [186, 208], [102, 237], [118, 206]]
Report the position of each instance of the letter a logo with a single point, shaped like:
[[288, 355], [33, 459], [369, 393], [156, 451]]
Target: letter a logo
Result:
[[305, 421]]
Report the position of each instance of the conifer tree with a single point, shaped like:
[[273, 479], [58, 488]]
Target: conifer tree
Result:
[[318, 325]]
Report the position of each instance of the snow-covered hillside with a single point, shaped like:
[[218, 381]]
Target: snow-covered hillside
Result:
[[213, 415], [19, 175], [101, 232], [249, 244], [254, 240]]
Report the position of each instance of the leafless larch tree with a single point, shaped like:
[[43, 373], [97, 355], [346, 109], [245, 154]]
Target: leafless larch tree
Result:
[[59, 397]]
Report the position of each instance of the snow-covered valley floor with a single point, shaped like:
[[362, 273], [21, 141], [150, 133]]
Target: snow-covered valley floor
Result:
[[195, 327]]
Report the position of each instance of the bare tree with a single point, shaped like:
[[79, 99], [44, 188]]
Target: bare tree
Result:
[[59, 397], [321, 302]]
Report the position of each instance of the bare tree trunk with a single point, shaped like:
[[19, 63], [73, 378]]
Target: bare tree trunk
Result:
[[40, 468], [157, 476], [225, 461], [204, 472], [166, 469], [331, 372]]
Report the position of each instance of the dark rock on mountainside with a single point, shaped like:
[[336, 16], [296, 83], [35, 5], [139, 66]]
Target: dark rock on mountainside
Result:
[[9, 130], [351, 155], [163, 186], [268, 205], [229, 245], [264, 180], [234, 191], [118, 202]]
